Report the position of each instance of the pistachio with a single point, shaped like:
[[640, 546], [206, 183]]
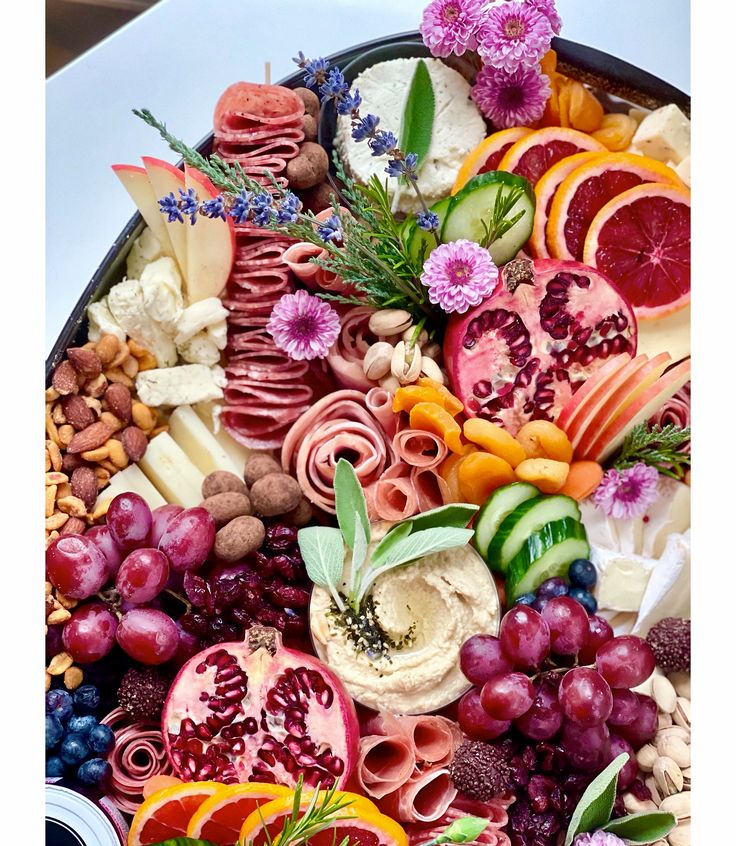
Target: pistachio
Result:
[[651, 783], [636, 806], [389, 322], [680, 835], [681, 682], [675, 748], [377, 361], [674, 731], [431, 369], [663, 720], [668, 776], [408, 334], [646, 757], [681, 715], [406, 365], [664, 694], [677, 804], [390, 383], [686, 778]]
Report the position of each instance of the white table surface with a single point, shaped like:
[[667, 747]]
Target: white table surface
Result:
[[177, 58]]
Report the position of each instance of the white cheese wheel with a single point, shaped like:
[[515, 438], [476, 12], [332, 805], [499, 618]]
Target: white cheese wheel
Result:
[[458, 128]]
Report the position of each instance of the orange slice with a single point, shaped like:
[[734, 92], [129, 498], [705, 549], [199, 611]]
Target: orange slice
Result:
[[641, 240], [588, 188], [167, 813], [545, 190], [268, 820], [486, 156], [221, 817], [536, 153]]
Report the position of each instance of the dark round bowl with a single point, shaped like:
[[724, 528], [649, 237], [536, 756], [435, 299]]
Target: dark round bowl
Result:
[[620, 84]]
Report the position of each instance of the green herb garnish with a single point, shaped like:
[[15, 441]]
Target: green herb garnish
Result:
[[499, 224], [418, 120], [659, 447]]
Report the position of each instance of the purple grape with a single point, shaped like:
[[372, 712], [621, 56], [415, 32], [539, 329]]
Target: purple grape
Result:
[[143, 575], [160, 519], [587, 748], [103, 540], [553, 587], [129, 519], [481, 658], [543, 719], [188, 539], [631, 767], [625, 708]]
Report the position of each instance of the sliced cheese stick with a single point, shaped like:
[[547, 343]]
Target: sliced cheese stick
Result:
[[168, 468], [200, 445], [131, 479]]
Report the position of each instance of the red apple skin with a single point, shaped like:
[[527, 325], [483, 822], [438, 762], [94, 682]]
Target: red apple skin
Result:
[[595, 383], [136, 182], [165, 179], [629, 390]]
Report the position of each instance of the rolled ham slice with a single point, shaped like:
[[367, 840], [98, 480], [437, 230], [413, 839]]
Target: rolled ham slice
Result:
[[419, 448], [384, 764], [393, 497], [346, 355], [494, 810], [431, 489], [423, 799], [379, 400], [433, 738]]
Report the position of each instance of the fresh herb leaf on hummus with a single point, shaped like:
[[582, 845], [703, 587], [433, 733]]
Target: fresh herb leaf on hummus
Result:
[[323, 552], [418, 119], [349, 502], [457, 516]]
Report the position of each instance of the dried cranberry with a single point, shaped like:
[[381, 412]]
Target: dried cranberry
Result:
[[264, 564], [287, 596], [194, 623], [280, 537], [640, 790], [226, 592], [195, 588], [241, 617]]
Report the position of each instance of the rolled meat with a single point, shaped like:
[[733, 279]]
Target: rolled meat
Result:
[[385, 763], [419, 448], [423, 799]]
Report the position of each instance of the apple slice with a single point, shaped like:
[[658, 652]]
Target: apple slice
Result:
[[136, 182], [166, 179], [629, 389], [579, 400], [210, 244], [645, 405]]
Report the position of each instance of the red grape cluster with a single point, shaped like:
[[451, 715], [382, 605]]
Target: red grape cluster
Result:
[[530, 677], [141, 552]]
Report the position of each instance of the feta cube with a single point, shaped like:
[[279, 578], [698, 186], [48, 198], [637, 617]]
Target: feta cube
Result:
[[664, 135]]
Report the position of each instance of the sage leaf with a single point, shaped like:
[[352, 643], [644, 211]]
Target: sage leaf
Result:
[[349, 501], [360, 550], [387, 542], [184, 841], [323, 551], [457, 515], [645, 827], [595, 805], [418, 118], [464, 830]]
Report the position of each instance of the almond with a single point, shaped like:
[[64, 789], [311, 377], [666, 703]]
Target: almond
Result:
[[85, 361], [134, 442], [77, 412], [118, 401], [84, 485], [74, 525], [69, 463], [90, 438], [107, 348], [64, 379]]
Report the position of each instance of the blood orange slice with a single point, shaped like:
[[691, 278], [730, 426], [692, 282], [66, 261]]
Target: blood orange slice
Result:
[[221, 817], [587, 189], [167, 813], [641, 239], [536, 153], [487, 155], [545, 190]]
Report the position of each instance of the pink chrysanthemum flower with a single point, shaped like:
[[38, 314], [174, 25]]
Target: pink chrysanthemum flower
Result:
[[598, 838], [513, 36], [459, 275], [549, 10], [624, 494], [450, 26], [303, 326], [511, 99]]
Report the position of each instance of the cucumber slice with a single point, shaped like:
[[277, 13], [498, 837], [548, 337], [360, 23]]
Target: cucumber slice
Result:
[[475, 203], [525, 519], [496, 508], [545, 554], [417, 238]]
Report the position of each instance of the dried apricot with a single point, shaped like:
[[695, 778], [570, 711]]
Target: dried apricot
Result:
[[480, 473], [585, 111], [546, 475], [616, 131], [542, 439], [408, 396], [494, 439], [452, 403], [449, 469], [431, 417]]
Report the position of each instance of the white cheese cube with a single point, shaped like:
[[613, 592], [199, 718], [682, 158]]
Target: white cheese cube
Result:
[[183, 385], [169, 469], [146, 248], [683, 170], [664, 135], [162, 297], [126, 303], [622, 578], [200, 445], [199, 316], [101, 322], [131, 479]]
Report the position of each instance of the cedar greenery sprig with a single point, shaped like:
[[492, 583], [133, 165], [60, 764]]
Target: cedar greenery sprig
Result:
[[659, 447]]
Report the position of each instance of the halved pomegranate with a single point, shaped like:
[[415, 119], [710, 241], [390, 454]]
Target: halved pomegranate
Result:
[[523, 352], [256, 711]]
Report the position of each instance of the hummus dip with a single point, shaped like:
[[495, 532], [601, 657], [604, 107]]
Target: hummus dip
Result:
[[446, 597]]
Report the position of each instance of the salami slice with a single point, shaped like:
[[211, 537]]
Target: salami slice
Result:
[[245, 104]]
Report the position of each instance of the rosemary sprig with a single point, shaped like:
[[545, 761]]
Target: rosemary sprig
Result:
[[499, 224], [319, 814], [659, 447]]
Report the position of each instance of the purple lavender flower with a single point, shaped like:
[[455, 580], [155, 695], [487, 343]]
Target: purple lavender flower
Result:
[[330, 229], [349, 103], [288, 208], [403, 167], [624, 494], [169, 206], [214, 208], [382, 143], [303, 326], [459, 275], [365, 128], [598, 838], [189, 204], [334, 87], [241, 207], [514, 36], [315, 70], [263, 211], [511, 99], [450, 26], [548, 9], [428, 221]]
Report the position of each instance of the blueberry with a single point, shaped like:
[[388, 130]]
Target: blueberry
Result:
[[74, 749], [586, 599], [94, 772], [582, 573], [55, 767], [86, 699], [54, 731], [540, 602], [553, 587], [101, 739], [525, 599], [60, 704], [82, 725]]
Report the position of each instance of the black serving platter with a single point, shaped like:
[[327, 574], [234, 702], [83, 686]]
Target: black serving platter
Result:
[[620, 83]]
